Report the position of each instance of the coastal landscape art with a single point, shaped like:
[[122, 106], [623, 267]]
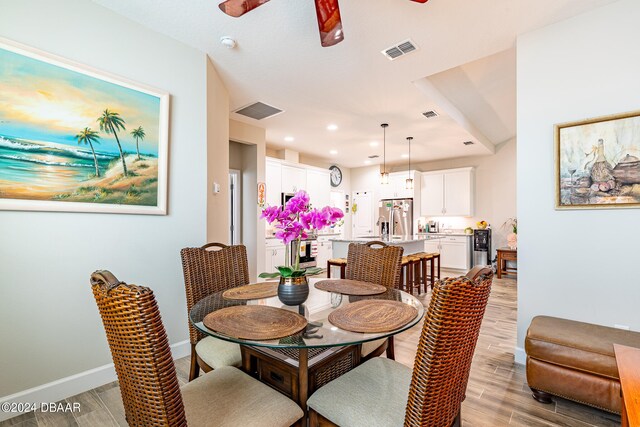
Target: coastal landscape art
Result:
[[74, 139], [598, 163]]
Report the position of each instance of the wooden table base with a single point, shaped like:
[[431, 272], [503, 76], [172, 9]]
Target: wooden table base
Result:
[[299, 382]]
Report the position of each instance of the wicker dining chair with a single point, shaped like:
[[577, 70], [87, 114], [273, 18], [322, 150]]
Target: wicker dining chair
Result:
[[207, 271], [477, 271], [375, 262], [147, 376], [383, 392]]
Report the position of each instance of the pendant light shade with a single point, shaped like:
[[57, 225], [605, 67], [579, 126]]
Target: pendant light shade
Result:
[[409, 181], [384, 175]]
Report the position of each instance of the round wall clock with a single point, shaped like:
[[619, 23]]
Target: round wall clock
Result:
[[336, 176]]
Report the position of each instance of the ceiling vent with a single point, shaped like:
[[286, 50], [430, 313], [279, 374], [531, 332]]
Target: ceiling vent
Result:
[[430, 114], [468, 143], [375, 156], [401, 49], [258, 111]]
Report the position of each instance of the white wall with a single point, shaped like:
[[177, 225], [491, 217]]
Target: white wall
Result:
[[49, 323], [579, 264], [495, 190], [253, 165], [217, 121], [345, 185]]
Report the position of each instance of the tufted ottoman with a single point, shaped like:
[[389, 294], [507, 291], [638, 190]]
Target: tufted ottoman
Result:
[[575, 360]]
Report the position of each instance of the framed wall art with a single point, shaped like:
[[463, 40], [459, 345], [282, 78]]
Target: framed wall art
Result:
[[76, 139], [598, 163]]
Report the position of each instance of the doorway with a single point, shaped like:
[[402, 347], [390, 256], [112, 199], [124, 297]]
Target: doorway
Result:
[[235, 214], [362, 213]]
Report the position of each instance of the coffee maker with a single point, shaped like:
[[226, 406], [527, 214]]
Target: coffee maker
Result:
[[433, 227]]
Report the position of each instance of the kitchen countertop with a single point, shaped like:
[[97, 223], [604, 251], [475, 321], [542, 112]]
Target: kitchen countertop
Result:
[[398, 241], [445, 234]]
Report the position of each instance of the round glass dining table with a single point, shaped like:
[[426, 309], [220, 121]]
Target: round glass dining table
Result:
[[319, 331]]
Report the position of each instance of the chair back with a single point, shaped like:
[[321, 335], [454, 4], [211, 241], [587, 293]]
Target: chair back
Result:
[[140, 352], [377, 265], [445, 350], [479, 271], [212, 268]]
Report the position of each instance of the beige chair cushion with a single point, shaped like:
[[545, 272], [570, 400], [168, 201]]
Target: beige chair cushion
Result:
[[228, 397], [218, 353], [370, 346], [373, 394]]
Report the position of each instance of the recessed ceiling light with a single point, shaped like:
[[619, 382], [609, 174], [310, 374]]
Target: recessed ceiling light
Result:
[[289, 138], [332, 127], [367, 162], [373, 144], [333, 152], [405, 156]]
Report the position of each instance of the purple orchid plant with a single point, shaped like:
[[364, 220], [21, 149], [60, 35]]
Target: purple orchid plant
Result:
[[292, 223]]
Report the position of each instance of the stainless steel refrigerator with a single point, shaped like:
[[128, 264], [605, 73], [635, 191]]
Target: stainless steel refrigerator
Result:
[[395, 217]]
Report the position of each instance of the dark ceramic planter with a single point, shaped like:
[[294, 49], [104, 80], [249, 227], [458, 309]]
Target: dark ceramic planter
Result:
[[293, 290]]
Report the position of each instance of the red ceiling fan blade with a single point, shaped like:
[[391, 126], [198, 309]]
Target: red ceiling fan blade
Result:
[[237, 8], [329, 22]]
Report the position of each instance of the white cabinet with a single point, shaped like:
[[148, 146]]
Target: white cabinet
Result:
[[397, 186], [432, 245], [293, 179], [455, 251], [324, 252], [319, 187], [273, 181], [275, 255], [447, 193], [432, 195]]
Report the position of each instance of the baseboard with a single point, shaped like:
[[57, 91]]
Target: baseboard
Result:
[[75, 384], [520, 356]]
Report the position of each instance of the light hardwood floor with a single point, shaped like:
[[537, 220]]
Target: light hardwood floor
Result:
[[497, 394]]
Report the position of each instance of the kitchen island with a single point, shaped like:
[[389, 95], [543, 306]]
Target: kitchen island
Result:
[[410, 244]]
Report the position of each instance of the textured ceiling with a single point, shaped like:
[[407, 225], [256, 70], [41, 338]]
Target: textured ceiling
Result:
[[279, 61]]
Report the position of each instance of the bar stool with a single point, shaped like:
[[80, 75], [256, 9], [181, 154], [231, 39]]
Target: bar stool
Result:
[[337, 262], [410, 271], [427, 272]]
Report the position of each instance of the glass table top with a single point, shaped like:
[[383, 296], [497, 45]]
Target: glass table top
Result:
[[319, 332]]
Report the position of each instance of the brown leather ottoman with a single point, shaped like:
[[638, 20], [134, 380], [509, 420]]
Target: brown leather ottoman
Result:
[[575, 360]]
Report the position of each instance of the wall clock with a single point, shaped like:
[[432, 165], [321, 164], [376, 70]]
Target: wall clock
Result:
[[336, 176]]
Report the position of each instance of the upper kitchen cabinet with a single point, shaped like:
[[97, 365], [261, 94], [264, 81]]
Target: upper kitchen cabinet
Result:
[[293, 179], [273, 179], [447, 193], [319, 187], [397, 187]]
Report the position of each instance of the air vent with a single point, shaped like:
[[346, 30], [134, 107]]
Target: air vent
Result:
[[430, 114], [258, 111], [401, 49], [375, 156], [468, 143]]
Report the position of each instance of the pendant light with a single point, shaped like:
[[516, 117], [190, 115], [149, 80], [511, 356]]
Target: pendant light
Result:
[[409, 181], [384, 176]]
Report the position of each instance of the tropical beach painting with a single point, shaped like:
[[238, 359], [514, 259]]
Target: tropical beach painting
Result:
[[598, 163], [74, 139]]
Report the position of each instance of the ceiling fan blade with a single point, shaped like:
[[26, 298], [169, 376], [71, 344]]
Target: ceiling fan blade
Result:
[[237, 8], [329, 22], [420, 1]]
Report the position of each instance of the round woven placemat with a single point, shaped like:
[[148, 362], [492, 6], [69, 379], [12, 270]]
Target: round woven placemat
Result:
[[373, 316], [253, 291], [350, 287], [255, 322]]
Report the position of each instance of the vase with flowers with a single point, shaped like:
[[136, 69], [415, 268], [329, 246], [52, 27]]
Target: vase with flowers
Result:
[[293, 222], [512, 238]]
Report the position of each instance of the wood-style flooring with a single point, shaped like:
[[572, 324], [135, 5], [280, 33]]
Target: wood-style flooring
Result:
[[497, 394]]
